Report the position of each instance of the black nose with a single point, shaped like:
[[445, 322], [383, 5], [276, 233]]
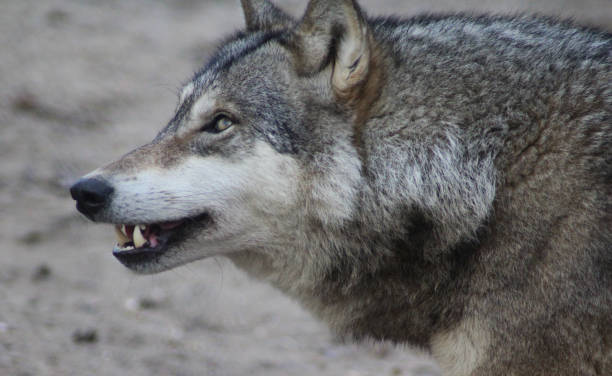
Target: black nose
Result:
[[91, 195]]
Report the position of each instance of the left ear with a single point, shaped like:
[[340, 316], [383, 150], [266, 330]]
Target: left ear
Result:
[[336, 32], [262, 15]]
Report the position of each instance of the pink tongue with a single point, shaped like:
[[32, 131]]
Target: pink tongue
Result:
[[152, 241], [170, 225], [150, 236]]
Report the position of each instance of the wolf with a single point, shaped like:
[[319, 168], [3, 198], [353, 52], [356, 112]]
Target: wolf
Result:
[[443, 181]]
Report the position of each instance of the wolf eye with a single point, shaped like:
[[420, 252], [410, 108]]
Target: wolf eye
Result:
[[218, 125], [223, 123]]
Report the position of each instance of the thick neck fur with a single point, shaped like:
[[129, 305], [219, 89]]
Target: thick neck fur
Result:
[[343, 286], [354, 235]]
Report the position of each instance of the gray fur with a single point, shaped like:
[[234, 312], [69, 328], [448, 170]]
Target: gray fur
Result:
[[263, 15], [455, 195]]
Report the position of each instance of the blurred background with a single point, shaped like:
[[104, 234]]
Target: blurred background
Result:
[[81, 83]]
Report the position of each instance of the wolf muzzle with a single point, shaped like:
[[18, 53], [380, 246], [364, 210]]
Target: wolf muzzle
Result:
[[91, 195]]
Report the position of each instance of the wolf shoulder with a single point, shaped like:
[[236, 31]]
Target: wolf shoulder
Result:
[[499, 80]]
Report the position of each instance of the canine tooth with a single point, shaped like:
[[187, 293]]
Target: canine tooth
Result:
[[121, 237], [139, 240], [123, 230]]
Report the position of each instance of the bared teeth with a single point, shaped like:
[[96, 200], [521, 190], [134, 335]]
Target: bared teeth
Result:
[[121, 236], [139, 240], [124, 231], [123, 248]]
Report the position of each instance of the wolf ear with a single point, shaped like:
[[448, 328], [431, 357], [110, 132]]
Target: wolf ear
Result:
[[336, 32], [263, 15]]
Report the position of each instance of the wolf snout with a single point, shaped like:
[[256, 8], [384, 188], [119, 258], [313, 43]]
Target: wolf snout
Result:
[[91, 195]]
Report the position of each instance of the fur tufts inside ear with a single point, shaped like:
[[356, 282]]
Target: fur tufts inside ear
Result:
[[335, 32]]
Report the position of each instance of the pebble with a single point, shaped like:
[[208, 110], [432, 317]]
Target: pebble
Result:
[[41, 273], [154, 300], [85, 336]]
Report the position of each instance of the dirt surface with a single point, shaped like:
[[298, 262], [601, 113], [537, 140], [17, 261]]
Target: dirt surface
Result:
[[82, 82]]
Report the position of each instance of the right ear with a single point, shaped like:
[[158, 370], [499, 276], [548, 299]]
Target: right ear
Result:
[[336, 32], [262, 15]]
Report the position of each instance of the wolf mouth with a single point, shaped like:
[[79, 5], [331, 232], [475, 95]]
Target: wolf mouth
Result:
[[144, 243]]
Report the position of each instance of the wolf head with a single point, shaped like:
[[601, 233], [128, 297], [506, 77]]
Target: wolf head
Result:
[[264, 137]]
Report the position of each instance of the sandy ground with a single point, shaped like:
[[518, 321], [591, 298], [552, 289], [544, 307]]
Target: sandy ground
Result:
[[81, 82]]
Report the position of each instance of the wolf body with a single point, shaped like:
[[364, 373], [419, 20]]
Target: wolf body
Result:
[[443, 181]]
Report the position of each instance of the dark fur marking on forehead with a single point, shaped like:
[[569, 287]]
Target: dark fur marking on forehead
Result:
[[181, 113], [228, 53]]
